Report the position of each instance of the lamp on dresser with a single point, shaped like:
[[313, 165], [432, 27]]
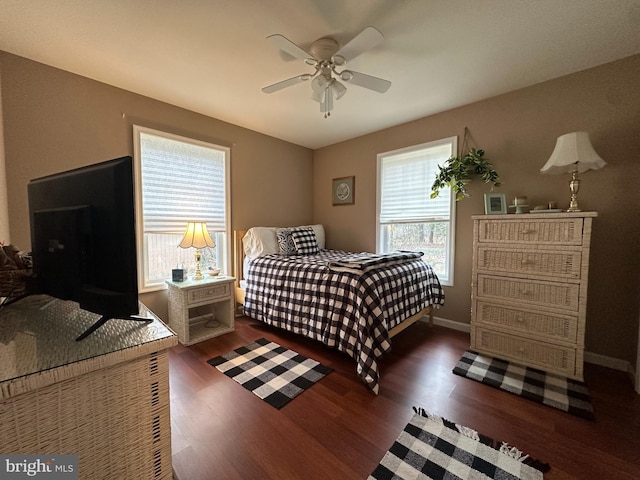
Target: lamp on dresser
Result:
[[197, 236], [573, 154]]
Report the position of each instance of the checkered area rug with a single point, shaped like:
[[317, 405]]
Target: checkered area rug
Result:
[[431, 447], [559, 392], [275, 374]]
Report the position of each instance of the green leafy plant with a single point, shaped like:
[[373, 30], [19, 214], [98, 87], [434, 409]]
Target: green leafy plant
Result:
[[458, 171]]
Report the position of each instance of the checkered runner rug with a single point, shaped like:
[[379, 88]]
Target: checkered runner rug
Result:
[[552, 390], [431, 447], [275, 374]]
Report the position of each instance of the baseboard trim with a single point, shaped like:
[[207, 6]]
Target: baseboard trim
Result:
[[589, 357], [451, 324]]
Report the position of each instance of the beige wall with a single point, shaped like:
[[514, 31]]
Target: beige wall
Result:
[[54, 120], [518, 132]]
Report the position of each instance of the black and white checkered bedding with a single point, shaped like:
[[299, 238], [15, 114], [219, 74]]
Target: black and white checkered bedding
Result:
[[362, 262], [349, 311]]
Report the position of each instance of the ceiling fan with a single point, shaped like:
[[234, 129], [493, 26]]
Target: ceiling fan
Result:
[[326, 56]]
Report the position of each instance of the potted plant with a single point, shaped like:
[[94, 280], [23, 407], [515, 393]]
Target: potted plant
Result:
[[458, 171]]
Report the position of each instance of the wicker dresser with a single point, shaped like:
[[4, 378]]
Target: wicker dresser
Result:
[[529, 290], [104, 399]]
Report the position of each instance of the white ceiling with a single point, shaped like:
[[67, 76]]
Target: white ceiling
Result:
[[212, 56]]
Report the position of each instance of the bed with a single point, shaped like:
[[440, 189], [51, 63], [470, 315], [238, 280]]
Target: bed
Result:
[[354, 302]]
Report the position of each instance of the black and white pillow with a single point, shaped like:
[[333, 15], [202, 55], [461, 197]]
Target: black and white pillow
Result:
[[285, 241], [305, 241]]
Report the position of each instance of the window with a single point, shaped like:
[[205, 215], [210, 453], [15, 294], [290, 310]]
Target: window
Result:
[[408, 219], [178, 180]]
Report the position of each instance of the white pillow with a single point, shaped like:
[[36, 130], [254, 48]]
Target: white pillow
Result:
[[259, 241]]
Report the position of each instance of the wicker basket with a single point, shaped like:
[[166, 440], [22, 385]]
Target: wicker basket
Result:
[[13, 282]]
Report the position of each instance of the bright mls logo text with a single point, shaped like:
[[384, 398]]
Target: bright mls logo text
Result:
[[54, 467]]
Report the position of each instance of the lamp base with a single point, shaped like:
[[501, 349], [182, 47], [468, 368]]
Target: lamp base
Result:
[[574, 187], [198, 275]]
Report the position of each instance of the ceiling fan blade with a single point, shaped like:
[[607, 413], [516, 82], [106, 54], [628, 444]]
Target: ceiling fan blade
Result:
[[286, 45], [362, 42], [286, 83], [367, 81]]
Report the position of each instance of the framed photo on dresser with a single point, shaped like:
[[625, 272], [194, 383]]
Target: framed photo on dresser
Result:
[[495, 203]]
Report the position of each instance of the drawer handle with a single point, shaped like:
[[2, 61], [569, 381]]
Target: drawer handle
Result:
[[520, 319], [526, 261], [528, 232]]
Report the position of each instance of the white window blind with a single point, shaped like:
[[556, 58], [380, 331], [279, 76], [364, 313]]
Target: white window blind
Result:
[[181, 182], [408, 218], [407, 178]]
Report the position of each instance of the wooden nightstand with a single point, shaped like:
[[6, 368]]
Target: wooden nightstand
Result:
[[201, 309]]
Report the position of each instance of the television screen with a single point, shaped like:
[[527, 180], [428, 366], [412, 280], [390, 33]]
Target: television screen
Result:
[[83, 238]]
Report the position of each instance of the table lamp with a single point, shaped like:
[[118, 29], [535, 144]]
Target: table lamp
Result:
[[573, 154], [197, 237]]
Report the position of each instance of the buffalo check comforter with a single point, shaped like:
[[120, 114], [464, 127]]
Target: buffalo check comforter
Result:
[[329, 298]]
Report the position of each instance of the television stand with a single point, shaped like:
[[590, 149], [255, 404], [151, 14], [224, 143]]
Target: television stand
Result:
[[105, 400], [105, 318]]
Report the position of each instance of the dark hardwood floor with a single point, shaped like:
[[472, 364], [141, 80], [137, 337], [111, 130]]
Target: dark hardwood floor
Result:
[[339, 430]]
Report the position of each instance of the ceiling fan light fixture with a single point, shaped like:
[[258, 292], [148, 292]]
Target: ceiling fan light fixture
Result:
[[317, 95], [327, 102], [338, 89], [319, 83]]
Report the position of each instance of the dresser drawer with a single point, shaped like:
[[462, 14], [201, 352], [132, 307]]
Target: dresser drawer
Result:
[[557, 263], [534, 292], [545, 356], [562, 231], [531, 323], [208, 292]]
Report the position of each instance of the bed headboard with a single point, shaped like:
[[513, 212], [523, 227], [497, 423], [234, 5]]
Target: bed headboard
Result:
[[238, 255]]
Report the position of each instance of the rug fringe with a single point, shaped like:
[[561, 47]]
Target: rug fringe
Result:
[[423, 413], [513, 452], [468, 432], [502, 447]]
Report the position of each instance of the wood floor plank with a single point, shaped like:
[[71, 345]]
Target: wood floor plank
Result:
[[338, 429]]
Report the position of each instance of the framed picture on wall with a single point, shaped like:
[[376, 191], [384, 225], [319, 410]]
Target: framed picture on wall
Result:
[[495, 203], [344, 190]]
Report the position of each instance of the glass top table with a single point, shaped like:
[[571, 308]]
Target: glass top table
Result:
[[38, 334]]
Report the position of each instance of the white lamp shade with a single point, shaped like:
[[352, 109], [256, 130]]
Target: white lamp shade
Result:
[[197, 236], [327, 101], [573, 151], [324, 90], [318, 86], [338, 89]]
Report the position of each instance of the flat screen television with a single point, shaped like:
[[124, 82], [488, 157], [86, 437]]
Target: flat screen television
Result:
[[83, 239]]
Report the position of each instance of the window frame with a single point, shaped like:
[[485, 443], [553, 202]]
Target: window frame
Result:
[[143, 285], [450, 247]]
